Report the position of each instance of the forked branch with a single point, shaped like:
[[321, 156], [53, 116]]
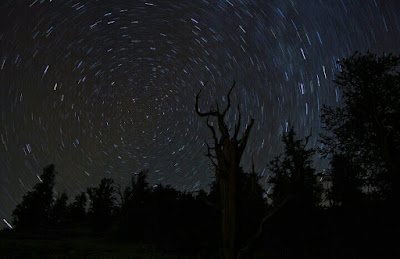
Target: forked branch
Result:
[[211, 112]]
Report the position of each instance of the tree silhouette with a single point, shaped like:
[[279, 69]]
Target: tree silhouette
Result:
[[77, 209], [294, 175], [347, 182], [297, 192], [166, 215], [59, 211], [134, 201], [34, 210], [102, 204], [140, 187], [226, 155], [366, 127]]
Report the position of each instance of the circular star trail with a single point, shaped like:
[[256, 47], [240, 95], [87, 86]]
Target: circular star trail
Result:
[[106, 88]]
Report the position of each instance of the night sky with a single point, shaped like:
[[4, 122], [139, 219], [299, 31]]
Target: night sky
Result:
[[106, 88]]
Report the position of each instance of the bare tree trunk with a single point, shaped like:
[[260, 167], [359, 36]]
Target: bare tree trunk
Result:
[[229, 214], [226, 156]]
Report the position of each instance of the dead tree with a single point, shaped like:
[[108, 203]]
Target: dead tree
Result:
[[225, 155]]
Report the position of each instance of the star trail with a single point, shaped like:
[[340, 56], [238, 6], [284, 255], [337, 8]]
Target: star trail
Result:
[[106, 88]]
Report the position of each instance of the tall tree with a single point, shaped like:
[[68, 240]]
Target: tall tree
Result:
[[294, 176], [366, 127], [77, 209], [134, 200], [347, 182], [296, 193], [34, 210], [102, 204], [226, 154], [59, 211]]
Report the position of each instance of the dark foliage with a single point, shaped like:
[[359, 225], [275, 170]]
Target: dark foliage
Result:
[[296, 195], [347, 182], [366, 128], [35, 209], [293, 175], [77, 209], [101, 204], [59, 211], [362, 139], [165, 216], [135, 199]]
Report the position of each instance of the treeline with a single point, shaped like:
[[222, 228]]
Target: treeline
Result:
[[352, 216], [173, 220]]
